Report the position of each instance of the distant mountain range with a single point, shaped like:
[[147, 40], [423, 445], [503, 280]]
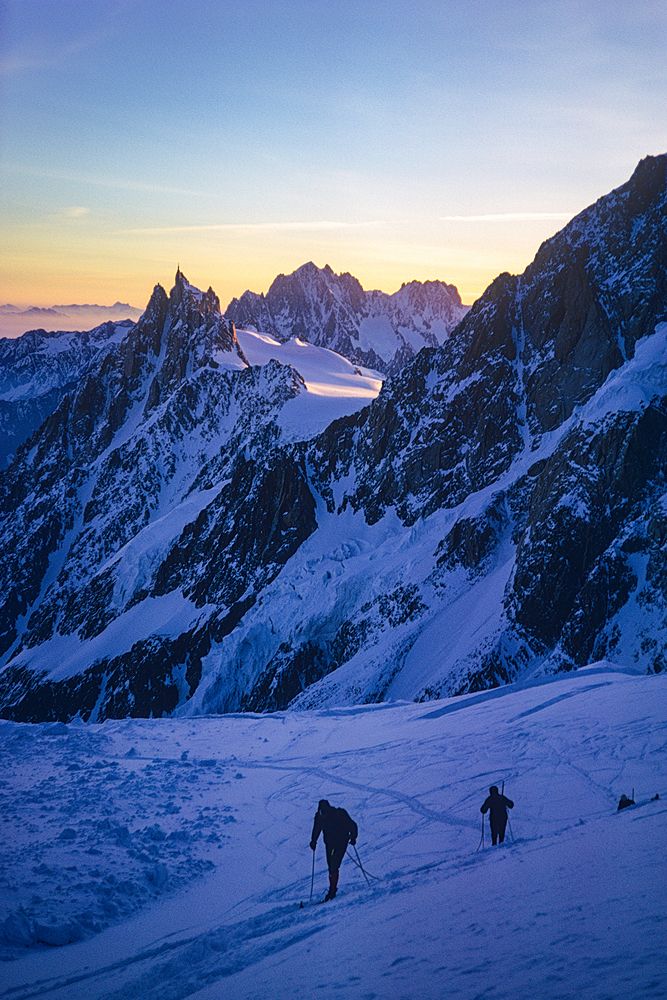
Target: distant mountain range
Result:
[[215, 520], [15, 320], [67, 310]]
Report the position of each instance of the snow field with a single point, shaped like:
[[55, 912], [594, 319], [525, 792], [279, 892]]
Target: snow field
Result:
[[573, 907], [334, 387]]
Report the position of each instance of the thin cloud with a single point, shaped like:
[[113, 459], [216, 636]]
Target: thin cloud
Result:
[[508, 217], [116, 183], [75, 212], [315, 225], [36, 53], [36, 58]]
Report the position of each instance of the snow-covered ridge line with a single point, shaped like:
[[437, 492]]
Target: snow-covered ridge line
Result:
[[334, 387]]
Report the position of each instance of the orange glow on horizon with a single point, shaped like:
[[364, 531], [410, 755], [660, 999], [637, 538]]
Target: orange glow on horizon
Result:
[[106, 267]]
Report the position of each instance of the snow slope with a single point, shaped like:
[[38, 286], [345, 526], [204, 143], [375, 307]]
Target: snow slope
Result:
[[176, 851], [334, 387]]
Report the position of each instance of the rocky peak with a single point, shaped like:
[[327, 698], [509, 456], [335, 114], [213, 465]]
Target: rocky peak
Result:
[[156, 307], [591, 293], [647, 183], [177, 336], [310, 282], [188, 332], [417, 292], [145, 339], [187, 297], [332, 310]]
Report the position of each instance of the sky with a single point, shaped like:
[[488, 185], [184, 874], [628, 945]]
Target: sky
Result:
[[395, 139]]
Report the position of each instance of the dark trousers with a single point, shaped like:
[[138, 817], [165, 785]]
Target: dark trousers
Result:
[[335, 855], [498, 827]]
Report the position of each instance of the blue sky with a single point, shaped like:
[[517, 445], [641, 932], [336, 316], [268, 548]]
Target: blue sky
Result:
[[243, 139]]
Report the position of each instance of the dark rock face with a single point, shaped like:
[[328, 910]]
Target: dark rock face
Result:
[[499, 508], [288, 673], [291, 671], [606, 289], [86, 487], [472, 541], [20, 418], [331, 310], [257, 521], [37, 369], [620, 468]]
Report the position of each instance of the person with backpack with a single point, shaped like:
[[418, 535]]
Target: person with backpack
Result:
[[497, 804], [338, 830]]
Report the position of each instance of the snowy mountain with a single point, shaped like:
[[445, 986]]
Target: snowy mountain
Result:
[[173, 437], [190, 533], [37, 370], [173, 853], [331, 310]]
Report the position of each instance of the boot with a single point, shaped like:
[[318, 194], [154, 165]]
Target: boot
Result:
[[333, 886]]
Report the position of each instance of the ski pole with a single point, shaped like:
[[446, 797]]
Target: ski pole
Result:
[[367, 874], [357, 861], [481, 839], [312, 879], [361, 869], [509, 821]]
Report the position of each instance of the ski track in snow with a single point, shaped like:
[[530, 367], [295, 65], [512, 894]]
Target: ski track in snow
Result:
[[196, 831]]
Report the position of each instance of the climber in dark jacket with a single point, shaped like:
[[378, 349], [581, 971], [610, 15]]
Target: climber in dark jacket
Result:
[[497, 805], [339, 830]]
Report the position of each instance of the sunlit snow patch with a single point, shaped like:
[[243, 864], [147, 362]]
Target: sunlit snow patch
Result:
[[334, 386]]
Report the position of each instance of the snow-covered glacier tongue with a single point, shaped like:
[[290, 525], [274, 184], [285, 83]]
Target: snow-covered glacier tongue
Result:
[[216, 520]]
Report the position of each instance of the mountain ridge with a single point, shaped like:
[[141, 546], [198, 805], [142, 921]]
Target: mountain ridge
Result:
[[375, 329], [497, 512]]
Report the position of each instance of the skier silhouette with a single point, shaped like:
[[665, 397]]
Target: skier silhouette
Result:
[[496, 805], [339, 830]]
